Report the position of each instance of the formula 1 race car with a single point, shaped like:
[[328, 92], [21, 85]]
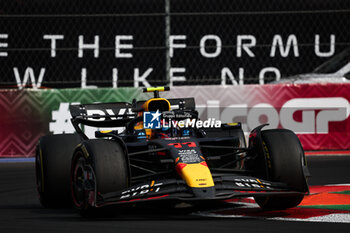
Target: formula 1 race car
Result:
[[164, 154]]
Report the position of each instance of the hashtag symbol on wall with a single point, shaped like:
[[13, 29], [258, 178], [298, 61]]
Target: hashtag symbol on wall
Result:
[[61, 120]]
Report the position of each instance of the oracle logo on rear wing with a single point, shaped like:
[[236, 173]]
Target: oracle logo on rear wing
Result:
[[101, 115], [103, 111], [109, 114]]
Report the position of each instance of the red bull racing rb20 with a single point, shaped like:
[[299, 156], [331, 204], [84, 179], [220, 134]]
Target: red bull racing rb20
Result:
[[166, 154]]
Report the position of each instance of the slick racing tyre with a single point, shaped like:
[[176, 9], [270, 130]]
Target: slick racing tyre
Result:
[[52, 164], [98, 167], [285, 160]]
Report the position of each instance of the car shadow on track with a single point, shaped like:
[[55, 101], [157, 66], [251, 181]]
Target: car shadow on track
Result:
[[156, 212]]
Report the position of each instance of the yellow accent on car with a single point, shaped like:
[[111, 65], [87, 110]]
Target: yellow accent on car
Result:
[[138, 126], [197, 175], [152, 89], [155, 104], [148, 133], [105, 131], [232, 124], [262, 186]]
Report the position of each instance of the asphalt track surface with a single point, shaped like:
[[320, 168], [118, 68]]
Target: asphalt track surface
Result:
[[20, 210]]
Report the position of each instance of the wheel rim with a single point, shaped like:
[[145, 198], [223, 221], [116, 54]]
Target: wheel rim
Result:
[[78, 178]]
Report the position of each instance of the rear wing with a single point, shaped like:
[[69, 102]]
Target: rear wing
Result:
[[116, 114], [102, 115]]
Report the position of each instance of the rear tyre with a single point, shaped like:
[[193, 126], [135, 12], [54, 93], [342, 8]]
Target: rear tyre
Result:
[[52, 165], [98, 167], [285, 160]]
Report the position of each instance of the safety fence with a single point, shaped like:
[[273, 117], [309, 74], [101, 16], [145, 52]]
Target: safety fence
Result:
[[118, 43]]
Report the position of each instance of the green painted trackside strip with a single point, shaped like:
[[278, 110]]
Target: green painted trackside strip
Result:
[[347, 192], [328, 207]]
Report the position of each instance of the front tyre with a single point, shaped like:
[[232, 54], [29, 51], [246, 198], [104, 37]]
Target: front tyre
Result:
[[285, 159], [98, 167]]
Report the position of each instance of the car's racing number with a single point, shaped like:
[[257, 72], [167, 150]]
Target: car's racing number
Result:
[[141, 190]]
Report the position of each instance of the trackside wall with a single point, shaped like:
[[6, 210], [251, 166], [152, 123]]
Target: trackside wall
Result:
[[318, 113]]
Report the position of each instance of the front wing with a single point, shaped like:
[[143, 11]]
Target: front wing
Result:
[[226, 187]]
